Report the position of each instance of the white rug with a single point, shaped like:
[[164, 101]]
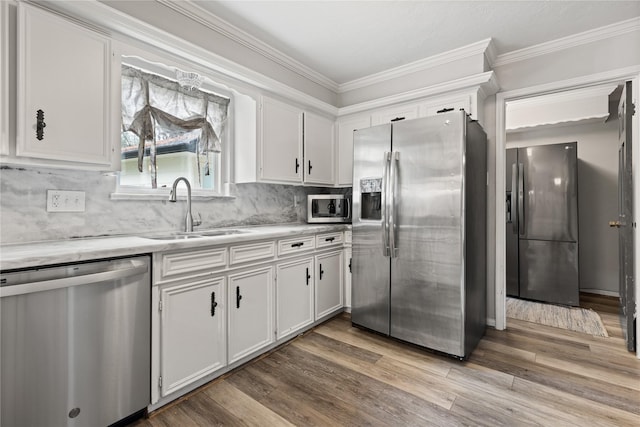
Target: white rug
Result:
[[571, 318]]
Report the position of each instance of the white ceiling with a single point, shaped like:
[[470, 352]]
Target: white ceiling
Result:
[[348, 40]]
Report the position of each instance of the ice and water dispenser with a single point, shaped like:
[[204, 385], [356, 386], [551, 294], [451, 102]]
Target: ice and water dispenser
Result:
[[371, 198]]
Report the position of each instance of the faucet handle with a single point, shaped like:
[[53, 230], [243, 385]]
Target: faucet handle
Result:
[[197, 222]]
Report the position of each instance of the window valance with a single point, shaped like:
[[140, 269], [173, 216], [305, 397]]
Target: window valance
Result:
[[157, 109]]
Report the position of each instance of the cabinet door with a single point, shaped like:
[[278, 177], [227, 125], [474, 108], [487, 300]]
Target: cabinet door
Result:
[[345, 146], [393, 114], [450, 104], [347, 277], [294, 296], [319, 150], [329, 283], [193, 342], [64, 72], [250, 301], [280, 142]]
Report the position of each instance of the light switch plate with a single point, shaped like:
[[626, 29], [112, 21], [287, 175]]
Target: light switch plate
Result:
[[65, 201]]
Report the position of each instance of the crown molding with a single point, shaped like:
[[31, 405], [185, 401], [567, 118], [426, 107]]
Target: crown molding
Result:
[[213, 22], [480, 47], [571, 95], [574, 40], [127, 29], [486, 83]]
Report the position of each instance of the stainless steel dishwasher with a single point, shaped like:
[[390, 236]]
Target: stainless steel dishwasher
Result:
[[75, 343]]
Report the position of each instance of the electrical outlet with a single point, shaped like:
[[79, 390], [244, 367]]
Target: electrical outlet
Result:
[[65, 201]]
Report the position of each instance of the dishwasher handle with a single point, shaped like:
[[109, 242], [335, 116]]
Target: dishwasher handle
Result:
[[67, 282]]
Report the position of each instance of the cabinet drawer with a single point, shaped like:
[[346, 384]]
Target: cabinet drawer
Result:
[[251, 252], [177, 263], [329, 239], [297, 244]]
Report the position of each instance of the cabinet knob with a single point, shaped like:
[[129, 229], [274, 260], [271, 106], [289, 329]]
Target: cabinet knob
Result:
[[40, 125]]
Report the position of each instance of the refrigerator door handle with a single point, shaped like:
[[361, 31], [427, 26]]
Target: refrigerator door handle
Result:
[[521, 225], [385, 198], [515, 206], [393, 191]]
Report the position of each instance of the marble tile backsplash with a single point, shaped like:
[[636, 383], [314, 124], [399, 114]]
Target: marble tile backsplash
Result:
[[24, 216]]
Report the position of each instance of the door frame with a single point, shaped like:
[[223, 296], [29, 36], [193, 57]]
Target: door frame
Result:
[[613, 76]]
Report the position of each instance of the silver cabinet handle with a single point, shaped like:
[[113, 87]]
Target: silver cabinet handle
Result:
[[385, 196], [67, 282]]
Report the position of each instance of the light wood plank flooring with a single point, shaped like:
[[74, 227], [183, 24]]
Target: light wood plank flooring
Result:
[[339, 375]]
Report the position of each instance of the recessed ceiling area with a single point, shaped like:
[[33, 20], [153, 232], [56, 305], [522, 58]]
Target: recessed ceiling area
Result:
[[348, 40]]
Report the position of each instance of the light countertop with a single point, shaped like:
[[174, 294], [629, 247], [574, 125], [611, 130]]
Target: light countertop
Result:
[[36, 254]]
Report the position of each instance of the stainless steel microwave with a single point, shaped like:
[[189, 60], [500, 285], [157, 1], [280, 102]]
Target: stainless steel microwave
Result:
[[328, 208]]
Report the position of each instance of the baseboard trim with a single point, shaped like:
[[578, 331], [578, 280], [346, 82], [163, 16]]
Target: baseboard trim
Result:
[[600, 292]]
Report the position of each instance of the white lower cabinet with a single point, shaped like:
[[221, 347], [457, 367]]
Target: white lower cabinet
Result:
[[250, 306], [347, 277], [294, 296], [216, 310], [193, 324], [329, 283]]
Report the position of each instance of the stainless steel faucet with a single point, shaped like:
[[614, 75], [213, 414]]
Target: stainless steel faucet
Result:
[[188, 221]]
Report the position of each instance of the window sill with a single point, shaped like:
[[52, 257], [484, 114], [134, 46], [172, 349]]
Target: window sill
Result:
[[162, 194]]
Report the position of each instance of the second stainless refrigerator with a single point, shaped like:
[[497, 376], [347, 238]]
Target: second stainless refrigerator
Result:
[[419, 231], [542, 223]]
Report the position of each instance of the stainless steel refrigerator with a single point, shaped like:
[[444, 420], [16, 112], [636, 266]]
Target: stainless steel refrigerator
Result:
[[419, 231], [542, 223]]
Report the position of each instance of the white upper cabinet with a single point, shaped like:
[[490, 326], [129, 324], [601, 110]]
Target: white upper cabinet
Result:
[[345, 146], [319, 150], [280, 142], [64, 101], [295, 146], [453, 103], [395, 113]]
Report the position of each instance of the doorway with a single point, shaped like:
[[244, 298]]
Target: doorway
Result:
[[605, 270]]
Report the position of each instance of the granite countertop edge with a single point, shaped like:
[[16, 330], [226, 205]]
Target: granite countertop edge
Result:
[[38, 254]]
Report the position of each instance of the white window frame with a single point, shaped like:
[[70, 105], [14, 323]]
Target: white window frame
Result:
[[163, 66]]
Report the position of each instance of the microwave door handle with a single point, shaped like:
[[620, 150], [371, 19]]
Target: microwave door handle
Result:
[[347, 208]]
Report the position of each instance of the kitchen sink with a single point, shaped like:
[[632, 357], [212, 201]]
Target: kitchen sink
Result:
[[220, 232], [174, 237], [197, 235]]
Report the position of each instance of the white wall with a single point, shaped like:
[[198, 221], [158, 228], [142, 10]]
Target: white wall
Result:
[[597, 196]]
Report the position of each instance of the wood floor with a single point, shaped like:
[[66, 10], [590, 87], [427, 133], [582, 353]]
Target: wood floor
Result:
[[339, 375]]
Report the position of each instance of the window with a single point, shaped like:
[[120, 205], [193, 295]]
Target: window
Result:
[[168, 131]]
